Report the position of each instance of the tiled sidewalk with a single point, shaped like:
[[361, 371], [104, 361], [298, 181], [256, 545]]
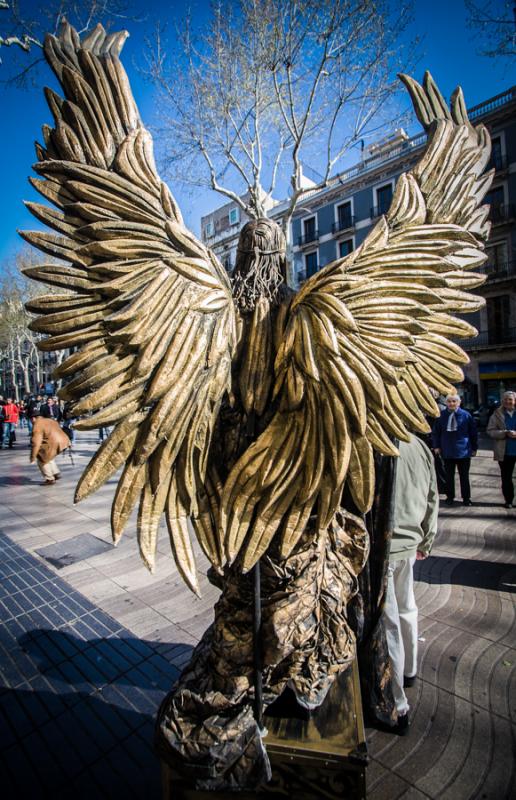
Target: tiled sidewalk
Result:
[[79, 691], [89, 649]]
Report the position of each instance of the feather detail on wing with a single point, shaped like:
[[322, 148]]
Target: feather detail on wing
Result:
[[148, 312], [366, 340]]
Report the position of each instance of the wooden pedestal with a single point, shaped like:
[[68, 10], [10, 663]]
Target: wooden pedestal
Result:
[[322, 758]]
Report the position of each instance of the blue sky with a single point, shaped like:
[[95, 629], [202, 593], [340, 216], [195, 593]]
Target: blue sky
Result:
[[447, 50]]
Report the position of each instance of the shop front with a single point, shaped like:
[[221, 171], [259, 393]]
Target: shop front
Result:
[[496, 377]]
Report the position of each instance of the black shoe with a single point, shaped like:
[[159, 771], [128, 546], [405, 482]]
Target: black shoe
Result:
[[467, 503], [507, 505], [448, 501], [409, 681], [402, 726]]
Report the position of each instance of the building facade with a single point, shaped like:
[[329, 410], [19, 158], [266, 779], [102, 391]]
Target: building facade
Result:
[[335, 220]]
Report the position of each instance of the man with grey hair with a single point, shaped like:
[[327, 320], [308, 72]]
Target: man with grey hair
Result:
[[502, 428], [455, 437]]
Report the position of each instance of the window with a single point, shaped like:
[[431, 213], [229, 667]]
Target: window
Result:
[[311, 264], [209, 230], [345, 248], [498, 318], [226, 263], [383, 198], [496, 160], [496, 257], [234, 216], [309, 229], [496, 199], [345, 219]]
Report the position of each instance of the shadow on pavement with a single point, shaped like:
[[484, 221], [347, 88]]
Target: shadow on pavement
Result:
[[19, 480], [117, 661], [491, 575], [82, 747], [81, 725]]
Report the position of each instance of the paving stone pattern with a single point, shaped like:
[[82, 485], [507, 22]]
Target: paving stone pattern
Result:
[[463, 733], [89, 649], [79, 691]]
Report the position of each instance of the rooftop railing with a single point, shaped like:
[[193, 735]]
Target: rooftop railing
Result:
[[368, 164], [493, 103]]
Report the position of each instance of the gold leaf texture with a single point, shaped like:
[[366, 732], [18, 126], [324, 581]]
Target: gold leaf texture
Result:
[[367, 340], [148, 310]]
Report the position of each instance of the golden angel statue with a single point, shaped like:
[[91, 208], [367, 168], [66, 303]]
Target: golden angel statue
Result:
[[244, 411]]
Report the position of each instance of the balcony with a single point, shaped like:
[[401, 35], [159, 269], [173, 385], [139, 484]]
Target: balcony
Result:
[[377, 211], [499, 271], [343, 224], [501, 214], [487, 339], [307, 238]]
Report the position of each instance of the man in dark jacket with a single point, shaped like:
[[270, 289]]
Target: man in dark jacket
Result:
[[51, 410], [455, 438], [33, 411]]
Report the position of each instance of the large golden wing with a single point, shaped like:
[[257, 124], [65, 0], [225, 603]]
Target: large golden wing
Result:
[[365, 341], [149, 312]]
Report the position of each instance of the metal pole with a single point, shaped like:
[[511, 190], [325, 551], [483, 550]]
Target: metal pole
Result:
[[257, 647], [257, 613]]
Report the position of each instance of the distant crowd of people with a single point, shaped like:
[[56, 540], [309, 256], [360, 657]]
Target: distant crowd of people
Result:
[[50, 426], [454, 441]]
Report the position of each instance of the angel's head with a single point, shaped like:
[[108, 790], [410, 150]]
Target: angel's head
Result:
[[260, 267]]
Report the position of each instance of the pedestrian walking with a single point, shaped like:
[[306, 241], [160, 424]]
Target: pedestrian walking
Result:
[[68, 423], [455, 438], [51, 410], [10, 421], [103, 434], [33, 411], [48, 439], [2, 404], [416, 505], [502, 428], [23, 414]]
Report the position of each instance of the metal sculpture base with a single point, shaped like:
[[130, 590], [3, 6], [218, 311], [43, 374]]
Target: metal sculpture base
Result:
[[324, 756]]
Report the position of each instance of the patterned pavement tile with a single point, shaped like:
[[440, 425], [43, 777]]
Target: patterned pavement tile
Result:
[[87, 652], [77, 691]]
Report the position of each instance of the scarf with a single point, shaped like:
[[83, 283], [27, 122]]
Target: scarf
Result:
[[452, 422]]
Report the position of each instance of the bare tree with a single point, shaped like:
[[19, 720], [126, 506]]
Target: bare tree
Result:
[[273, 84], [23, 26], [19, 356], [495, 25]]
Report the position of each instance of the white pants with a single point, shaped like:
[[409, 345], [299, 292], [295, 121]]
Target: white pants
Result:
[[400, 617], [49, 471]]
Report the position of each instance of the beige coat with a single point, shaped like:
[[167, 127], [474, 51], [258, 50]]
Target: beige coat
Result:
[[496, 430], [48, 439]]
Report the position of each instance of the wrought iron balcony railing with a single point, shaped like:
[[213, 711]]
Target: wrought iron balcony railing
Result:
[[489, 338], [307, 238], [377, 211], [343, 224], [498, 270]]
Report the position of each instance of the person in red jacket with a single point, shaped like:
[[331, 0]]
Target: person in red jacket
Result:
[[11, 417]]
